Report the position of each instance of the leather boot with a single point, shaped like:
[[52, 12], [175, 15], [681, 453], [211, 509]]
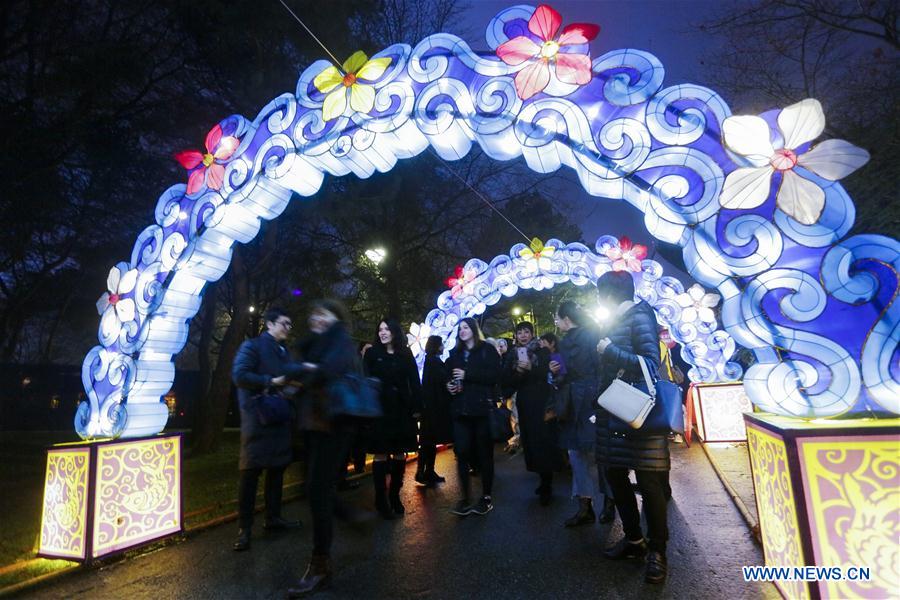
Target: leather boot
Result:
[[584, 516], [317, 577], [379, 480], [608, 515], [398, 468]]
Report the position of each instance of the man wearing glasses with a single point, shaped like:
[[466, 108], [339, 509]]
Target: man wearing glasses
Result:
[[262, 367]]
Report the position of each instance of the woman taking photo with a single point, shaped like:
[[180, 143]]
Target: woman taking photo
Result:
[[633, 333], [577, 380], [435, 423], [474, 372], [329, 355], [394, 433]]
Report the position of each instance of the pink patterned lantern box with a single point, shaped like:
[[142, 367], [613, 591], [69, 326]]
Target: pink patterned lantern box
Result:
[[104, 497], [719, 409]]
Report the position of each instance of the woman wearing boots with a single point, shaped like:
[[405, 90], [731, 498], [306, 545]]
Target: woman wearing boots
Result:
[[633, 333], [474, 373], [577, 380], [329, 354], [394, 433], [435, 424]]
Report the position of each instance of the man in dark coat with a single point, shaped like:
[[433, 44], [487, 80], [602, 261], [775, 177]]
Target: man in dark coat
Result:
[[263, 366], [525, 373]]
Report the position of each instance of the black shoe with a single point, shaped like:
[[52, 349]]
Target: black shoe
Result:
[[279, 523], [422, 480], [474, 472], [608, 514], [398, 468], [435, 478], [462, 508], [482, 507], [243, 541], [625, 550], [546, 495], [317, 577], [657, 568], [584, 516], [347, 484]]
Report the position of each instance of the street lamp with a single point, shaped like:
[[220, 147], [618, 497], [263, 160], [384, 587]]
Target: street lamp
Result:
[[252, 309], [516, 311], [376, 255]]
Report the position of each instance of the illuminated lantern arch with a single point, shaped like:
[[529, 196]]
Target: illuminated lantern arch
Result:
[[687, 314], [756, 209]]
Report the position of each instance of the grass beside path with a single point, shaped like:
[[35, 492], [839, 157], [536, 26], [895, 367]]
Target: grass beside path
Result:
[[209, 482]]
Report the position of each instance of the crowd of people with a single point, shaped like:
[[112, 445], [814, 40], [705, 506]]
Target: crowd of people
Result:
[[549, 385]]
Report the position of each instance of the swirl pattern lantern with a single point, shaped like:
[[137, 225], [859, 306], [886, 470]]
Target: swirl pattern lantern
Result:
[[763, 221], [541, 266]]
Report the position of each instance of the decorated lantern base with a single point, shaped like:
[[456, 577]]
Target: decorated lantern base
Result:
[[719, 410], [103, 497], [828, 494]]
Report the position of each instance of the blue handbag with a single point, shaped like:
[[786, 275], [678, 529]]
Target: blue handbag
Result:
[[353, 395], [272, 409], [667, 414]]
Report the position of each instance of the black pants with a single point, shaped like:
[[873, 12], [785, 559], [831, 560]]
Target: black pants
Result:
[[652, 485], [247, 494], [325, 453], [472, 442]]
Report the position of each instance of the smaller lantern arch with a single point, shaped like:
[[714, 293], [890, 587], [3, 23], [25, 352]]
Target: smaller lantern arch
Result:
[[687, 313]]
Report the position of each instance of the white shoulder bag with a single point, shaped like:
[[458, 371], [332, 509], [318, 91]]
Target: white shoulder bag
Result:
[[627, 402]]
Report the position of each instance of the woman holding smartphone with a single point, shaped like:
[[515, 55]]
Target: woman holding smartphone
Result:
[[577, 378], [474, 368]]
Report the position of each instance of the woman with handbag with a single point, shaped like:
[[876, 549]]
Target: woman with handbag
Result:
[[577, 382], [474, 373], [261, 370], [435, 426], [393, 434], [329, 356], [621, 449]]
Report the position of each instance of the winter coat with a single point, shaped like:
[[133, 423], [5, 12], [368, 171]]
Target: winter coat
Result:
[[482, 367], [539, 438], [401, 397], [635, 333], [437, 426], [257, 362], [334, 355], [579, 388]]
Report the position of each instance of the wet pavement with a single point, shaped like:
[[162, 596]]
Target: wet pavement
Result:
[[519, 550]]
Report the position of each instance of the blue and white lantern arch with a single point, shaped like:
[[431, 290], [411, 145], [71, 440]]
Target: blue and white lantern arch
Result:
[[687, 313], [752, 200]]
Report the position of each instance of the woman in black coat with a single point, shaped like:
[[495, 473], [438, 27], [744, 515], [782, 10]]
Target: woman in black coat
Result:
[[577, 379], [475, 372], [435, 426], [633, 333], [393, 434], [527, 379], [329, 355]]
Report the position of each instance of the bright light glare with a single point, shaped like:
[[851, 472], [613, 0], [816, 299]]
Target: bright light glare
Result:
[[252, 309], [516, 311], [601, 313], [376, 255]]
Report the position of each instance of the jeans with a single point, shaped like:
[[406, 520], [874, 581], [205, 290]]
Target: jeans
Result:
[[652, 486], [326, 452], [472, 440], [584, 475], [247, 494]]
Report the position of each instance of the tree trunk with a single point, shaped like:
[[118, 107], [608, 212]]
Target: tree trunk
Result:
[[214, 404], [204, 347]]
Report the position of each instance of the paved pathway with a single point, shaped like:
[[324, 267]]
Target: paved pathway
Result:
[[520, 550]]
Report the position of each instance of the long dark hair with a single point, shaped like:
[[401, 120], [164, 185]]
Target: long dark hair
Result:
[[398, 338], [433, 345], [477, 334]]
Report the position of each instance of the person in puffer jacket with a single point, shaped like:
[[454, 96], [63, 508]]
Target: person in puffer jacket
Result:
[[633, 333]]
